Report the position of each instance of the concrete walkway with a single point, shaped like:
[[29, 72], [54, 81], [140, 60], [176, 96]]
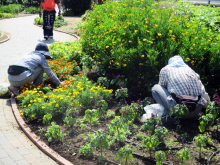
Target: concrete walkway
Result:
[[15, 147]]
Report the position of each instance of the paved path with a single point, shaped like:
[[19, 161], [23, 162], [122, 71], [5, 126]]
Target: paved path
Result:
[[15, 147]]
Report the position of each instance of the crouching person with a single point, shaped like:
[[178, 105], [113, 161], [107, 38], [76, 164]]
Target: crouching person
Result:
[[178, 82], [30, 68]]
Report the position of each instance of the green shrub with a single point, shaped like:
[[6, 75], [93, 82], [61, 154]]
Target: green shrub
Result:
[[59, 21], [75, 6], [132, 38], [6, 15], [12, 8], [30, 9], [70, 50]]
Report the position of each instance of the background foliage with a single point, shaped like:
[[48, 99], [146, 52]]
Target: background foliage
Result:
[[75, 7], [135, 38]]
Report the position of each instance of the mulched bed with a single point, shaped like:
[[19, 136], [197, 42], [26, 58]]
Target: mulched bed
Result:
[[74, 139]]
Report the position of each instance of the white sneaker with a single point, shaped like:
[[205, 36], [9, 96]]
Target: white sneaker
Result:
[[13, 89], [51, 37]]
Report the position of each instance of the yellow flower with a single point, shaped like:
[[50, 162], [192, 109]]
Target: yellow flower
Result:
[[21, 114], [144, 39], [106, 47], [33, 115], [29, 105], [159, 34], [142, 55], [20, 111], [57, 105], [43, 107], [124, 65], [91, 97]]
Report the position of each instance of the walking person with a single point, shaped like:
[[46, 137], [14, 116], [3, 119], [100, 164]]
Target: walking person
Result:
[[30, 68], [49, 14], [178, 79]]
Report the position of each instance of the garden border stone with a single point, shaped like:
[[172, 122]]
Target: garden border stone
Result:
[[40, 144], [8, 37]]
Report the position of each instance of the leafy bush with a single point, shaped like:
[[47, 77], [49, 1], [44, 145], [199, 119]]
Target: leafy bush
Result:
[[30, 9], [70, 50], [133, 37], [12, 8], [54, 133], [75, 6], [59, 21], [6, 15]]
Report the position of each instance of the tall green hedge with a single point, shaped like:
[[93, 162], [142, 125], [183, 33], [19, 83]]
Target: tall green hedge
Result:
[[78, 7]]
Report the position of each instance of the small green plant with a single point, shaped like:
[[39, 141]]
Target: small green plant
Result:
[[161, 133], [183, 154], [131, 112], [102, 107], [125, 154], [83, 126], [205, 122], [211, 109], [141, 135], [201, 140], [160, 157], [135, 127], [122, 94], [147, 101], [119, 129], [100, 140], [151, 123], [110, 113], [47, 118], [86, 150], [179, 110], [150, 142], [54, 133], [90, 115], [71, 116]]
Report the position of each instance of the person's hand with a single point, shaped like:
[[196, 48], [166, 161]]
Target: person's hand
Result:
[[39, 13], [59, 13], [63, 83]]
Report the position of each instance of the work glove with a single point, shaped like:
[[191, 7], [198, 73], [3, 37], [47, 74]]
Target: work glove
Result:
[[39, 13], [59, 13]]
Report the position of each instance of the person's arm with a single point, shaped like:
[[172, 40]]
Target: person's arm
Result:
[[49, 72]]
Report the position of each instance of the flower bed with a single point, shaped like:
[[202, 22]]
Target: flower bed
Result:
[[99, 122]]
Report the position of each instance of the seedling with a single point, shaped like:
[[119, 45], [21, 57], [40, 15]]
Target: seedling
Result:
[[125, 154], [183, 154], [150, 142], [119, 129], [110, 113], [201, 140], [211, 109], [179, 110], [46, 119], [54, 133], [122, 94], [90, 115], [160, 157], [205, 122], [151, 124], [86, 150], [161, 133], [71, 116]]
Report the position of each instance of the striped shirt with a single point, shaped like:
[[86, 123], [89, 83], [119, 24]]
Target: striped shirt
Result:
[[182, 81]]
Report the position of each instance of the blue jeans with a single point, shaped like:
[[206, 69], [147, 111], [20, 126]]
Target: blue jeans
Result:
[[163, 97], [49, 18]]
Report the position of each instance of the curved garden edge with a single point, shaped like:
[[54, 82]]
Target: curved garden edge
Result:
[[8, 37], [40, 144]]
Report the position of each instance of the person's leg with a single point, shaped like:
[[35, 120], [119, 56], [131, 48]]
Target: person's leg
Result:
[[163, 97], [52, 19], [46, 26], [36, 77]]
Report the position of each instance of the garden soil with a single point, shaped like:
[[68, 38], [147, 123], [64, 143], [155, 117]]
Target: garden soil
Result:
[[69, 148]]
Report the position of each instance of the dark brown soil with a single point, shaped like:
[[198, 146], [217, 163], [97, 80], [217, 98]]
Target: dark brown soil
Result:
[[74, 139]]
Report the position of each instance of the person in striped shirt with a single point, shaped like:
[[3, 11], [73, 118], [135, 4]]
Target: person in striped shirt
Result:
[[177, 78]]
